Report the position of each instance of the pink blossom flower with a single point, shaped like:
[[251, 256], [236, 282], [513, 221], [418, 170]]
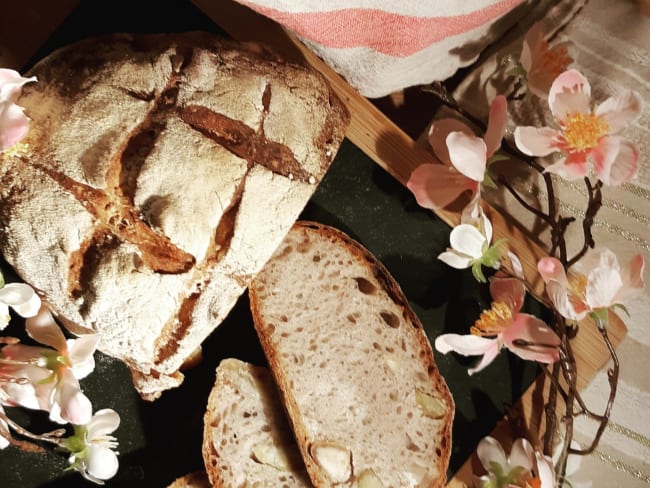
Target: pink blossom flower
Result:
[[541, 62], [464, 155], [52, 374], [524, 467], [503, 325], [584, 134], [594, 284], [14, 124]]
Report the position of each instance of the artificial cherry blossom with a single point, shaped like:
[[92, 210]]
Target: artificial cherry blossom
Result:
[[523, 468], [92, 447], [503, 325], [52, 374], [14, 124], [541, 62], [585, 134], [470, 246], [465, 159], [594, 284]]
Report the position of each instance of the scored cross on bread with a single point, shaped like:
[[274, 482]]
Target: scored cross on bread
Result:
[[159, 174], [352, 362]]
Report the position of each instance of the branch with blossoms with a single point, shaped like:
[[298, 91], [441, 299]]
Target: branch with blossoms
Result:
[[46, 377], [590, 283]]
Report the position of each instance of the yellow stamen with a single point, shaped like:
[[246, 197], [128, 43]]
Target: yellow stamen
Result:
[[492, 321], [577, 289], [534, 483], [583, 131], [17, 150]]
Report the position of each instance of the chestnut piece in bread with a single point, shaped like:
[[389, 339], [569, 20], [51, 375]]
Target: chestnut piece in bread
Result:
[[247, 440], [160, 173], [354, 367]]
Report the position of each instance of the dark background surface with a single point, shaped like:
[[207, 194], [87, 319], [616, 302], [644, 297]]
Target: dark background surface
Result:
[[160, 441]]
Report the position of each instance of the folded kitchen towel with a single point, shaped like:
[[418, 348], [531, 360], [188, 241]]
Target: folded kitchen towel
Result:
[[382, 46]]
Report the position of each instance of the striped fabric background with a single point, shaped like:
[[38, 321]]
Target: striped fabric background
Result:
[[381, 46]]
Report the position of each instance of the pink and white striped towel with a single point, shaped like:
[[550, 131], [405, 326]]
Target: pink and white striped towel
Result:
[[381, 46]]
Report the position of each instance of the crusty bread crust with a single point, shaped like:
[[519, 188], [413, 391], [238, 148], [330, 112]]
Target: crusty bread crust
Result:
[[159, 174], [247, 440], [197, 479], [355, 369]]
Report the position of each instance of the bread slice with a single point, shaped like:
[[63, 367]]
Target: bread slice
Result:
[[247, 440], [160, 173], [355, 369], [197, 479]]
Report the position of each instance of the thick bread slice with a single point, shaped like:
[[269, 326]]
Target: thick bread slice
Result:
[[353, 364], [247, 440], [197, 479], [159, 175]]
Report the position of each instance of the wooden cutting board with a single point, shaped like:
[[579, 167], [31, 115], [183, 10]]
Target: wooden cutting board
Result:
[[371, 131], [398, 154]]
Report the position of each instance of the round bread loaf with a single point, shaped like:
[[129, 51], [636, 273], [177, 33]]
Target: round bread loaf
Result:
[[159, 175]]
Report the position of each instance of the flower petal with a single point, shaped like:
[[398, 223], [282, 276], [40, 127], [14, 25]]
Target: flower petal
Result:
[[570, 93], [603, 285], [508, 290], [531, 329], [11, 83], [104, 422], [14, 125], [102, 462], [632, 276], [616, 160], [487, 358], [489, 451], [468, 240], [72, 404], [497, 122], [620, 111], [438, 133], [532, 37], [42, 328], [435, 185], [467, 345], [572, 167], [468, 154], [536, 141], [545, 471], [455, 260], [521, 454], [568, 308], [21, 297], [80, 353], [551, 269]]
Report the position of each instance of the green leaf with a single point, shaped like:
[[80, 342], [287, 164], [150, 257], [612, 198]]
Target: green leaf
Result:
[[488, 181], [492, 256], [477, 272], [601, 317], [622, 307], [497, 156]]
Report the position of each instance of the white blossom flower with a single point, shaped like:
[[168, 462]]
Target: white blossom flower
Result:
[[470, 247], [92, 448]]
